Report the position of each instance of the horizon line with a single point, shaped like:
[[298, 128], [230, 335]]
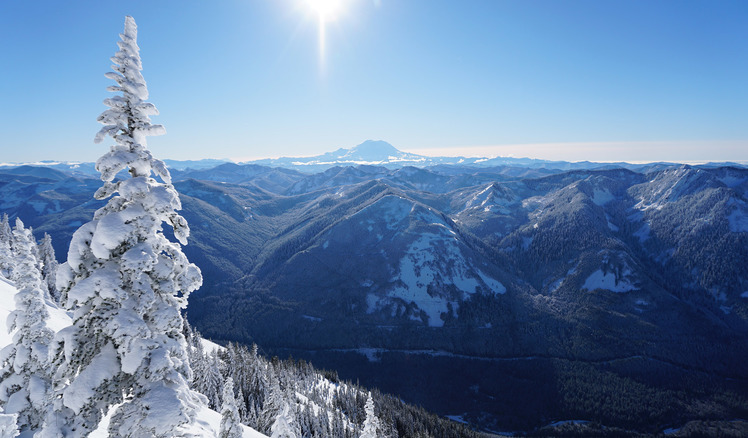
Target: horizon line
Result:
[[691, 152]]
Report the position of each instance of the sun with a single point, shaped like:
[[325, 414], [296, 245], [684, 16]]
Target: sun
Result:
[[327, 10]]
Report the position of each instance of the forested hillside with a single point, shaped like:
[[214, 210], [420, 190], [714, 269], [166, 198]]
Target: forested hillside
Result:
[[504, 288]]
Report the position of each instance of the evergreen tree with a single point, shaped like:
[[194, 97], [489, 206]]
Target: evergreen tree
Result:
[[303, 420], [337, 429], [125, 283], [8, 425], [283, 425], [371, 424], [48, 263], [195, 354], [272, 404], [6, 254], [230, 422], [241, 406], [324, 424], [25, 385], [256, 387], [210, 382]]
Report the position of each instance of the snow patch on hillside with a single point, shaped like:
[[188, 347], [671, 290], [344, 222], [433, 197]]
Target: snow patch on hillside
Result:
[[495, 286], [608, 281], [611, 225], [431, 263], [489, 201], [556, 285], [667, 186], [418, 271]]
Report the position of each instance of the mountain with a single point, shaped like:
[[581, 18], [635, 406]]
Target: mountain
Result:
[[317, 403], [510, 298], [381, 153], [371, 153], [84, 169]]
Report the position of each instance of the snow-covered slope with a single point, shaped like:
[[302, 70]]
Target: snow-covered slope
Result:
[[373, 259], [59, 319]]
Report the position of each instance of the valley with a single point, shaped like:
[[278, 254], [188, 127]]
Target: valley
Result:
[[508, 296]]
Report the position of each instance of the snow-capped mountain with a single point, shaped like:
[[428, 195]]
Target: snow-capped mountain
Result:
[[516, 280], [370, 152], [381, 153]]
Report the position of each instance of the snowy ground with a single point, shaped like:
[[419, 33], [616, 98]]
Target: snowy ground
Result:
[[206, 419], [608, 281], [58, 319]]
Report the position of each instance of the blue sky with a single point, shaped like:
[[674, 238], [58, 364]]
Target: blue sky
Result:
[[635, 80]]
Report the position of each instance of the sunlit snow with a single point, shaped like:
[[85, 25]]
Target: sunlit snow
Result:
[[59, 319], [420, 268]]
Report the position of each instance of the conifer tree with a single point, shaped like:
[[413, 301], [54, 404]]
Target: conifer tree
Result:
[[283, 425], [209, 382], [8, 425], [241, 406], [324, 424], [371, 424], [272, 404], [25, 385], [6, 254], [230, 422], [337, 429], [125, 283], [48, 264]]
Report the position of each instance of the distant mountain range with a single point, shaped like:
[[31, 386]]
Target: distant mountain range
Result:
[[506, 295], [379, 153]]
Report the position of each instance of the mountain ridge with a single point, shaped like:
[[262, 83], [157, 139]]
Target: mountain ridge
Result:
[[379, 153], [579, 279]]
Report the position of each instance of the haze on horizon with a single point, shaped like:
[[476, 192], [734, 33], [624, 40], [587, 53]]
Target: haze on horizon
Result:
[[633, 81]]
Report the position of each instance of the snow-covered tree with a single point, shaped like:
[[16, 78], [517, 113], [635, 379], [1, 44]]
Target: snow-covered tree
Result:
[[209, 381], [125, 283], [283, 425], [25, 385], [6, 255], [230, 423], [8, 425], [371, 424], [241, 406], [48, 265], [272, 404]]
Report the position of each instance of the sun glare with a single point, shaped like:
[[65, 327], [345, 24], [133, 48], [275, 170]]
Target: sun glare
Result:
[[327, 10]]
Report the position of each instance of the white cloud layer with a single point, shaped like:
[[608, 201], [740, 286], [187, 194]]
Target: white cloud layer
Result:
[[633, 152]]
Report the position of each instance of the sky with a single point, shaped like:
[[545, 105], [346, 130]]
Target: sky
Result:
[[598, 80]]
